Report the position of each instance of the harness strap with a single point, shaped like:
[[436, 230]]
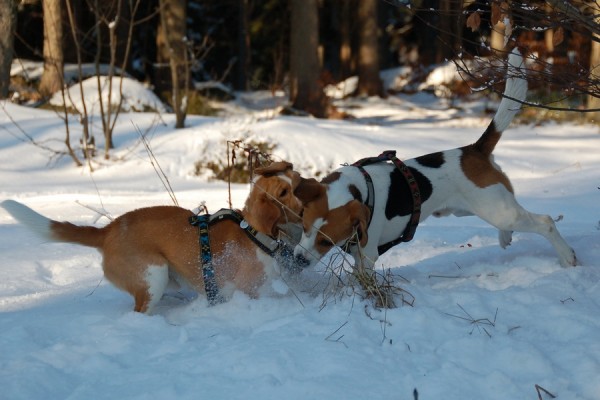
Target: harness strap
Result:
[[265, 242], [409, 231], [208, 272], [274, 248], [390, 155], [370, 202]]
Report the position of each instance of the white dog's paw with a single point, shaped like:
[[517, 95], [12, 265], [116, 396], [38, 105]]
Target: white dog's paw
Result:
[[505, 238], [570, 260]]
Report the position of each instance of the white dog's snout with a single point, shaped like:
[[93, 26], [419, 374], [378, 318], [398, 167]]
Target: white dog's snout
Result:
[[299, 252]]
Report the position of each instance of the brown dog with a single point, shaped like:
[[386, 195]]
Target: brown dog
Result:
[[146, 248]]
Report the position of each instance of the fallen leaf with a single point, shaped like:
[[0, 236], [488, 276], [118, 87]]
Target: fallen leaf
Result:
[[558, 37], [474, 21]]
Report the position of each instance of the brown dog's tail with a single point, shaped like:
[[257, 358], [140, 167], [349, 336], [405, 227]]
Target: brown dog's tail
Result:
[[514, 94], [53, 230]]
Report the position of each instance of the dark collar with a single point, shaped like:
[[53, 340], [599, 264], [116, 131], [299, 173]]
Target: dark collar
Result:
[[411, 227]]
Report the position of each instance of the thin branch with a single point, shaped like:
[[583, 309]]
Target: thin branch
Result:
[[157, 168], [84, 117], [540, 389]]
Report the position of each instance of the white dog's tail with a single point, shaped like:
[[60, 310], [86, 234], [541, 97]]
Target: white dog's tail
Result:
[[54, 231], [514, 94]]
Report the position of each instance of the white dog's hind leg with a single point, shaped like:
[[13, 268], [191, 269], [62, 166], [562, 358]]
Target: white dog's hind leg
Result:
[[508, 215], [505, 238]]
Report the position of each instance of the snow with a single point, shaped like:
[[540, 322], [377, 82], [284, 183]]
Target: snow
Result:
[[32, 70], [485, 323], [135, 96]]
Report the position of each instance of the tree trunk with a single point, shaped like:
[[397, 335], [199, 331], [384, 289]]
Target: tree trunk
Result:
[[593, 102], [241, 81], [52, 77], [445, 28], [426, 33], [171, 43], [8, 24], [345, 39], [306, 91], [369, 82]]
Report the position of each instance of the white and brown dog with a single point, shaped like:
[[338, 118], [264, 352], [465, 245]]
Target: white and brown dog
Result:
[[462, 181], [143, 250]]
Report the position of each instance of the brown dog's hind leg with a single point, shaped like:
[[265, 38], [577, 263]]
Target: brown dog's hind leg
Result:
[[142, 301], [148, 291]]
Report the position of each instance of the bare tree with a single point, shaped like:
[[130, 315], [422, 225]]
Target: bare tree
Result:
[[558, 62], [86, 141], [369, 82], [593, 101], [566, 23], [52, 77], [8, 23], [120, 35], [243, 39], [172, 45], [306, 89], [346, 38], [450, 28]]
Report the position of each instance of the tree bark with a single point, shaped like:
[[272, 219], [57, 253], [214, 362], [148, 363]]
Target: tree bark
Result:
[[8, 24], [369, 81], [52, 77], [346, 39], [172, 49], [306, 91], [426, 32], [241, 81], [593, 102]]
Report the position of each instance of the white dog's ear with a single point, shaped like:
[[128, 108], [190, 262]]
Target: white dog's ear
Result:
[[309, 190], [359, 216]]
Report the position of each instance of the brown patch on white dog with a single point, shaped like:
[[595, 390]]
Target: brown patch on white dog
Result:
[[480, 170]]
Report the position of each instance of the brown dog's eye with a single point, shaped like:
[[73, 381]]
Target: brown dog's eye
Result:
[[283, 193]]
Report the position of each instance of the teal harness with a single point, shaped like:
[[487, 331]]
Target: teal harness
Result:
[[275, 248]]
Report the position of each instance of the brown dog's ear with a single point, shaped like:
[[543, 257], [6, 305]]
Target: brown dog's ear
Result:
[[296, 179], [359, 216], [308, 190], [274, 168]]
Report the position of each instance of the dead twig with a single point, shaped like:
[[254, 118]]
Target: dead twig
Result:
[[101, 212], [477, 323], [253, 154], [445, 276], [540, 389], [382, 288], [567, 299], [338, 339], [155, 164], [514, 328], [27, 138]]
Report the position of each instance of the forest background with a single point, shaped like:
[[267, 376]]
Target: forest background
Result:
[[486, 323], [187, 51]]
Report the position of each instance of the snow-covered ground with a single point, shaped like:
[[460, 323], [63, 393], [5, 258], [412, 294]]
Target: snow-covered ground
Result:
[[486, 323]]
